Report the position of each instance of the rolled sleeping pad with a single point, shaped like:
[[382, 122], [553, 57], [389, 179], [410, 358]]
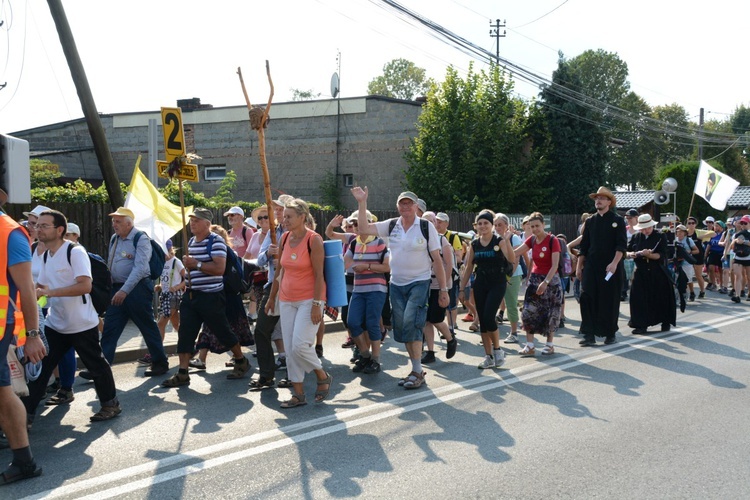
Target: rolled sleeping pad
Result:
[[334, 274]]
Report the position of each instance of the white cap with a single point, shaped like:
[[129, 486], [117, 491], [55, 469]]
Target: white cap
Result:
[[235, 210], [251, 222], [37, 210], [73, 228]]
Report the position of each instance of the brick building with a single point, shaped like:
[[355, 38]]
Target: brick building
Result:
[[372, 133]]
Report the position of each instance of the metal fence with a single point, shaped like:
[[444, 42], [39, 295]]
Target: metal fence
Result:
[[96, 229]]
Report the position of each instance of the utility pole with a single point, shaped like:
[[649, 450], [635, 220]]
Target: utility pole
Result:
[[495, 33], [96, 130], [700, 136]]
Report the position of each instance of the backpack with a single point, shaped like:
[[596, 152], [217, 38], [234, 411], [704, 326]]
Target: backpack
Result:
[[422, 226], [565, 266], [234, 270], [101, 281], [158, 257], [561, 262]]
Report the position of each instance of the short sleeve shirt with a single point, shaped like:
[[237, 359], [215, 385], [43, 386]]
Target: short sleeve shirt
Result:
[[410, 260]]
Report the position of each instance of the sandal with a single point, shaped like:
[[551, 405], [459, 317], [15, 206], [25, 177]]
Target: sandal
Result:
[[17, 472], [176, 380], [240, 369], [62, 397], [261, 383], [321, 394], [106, 413], [284, 383], [474, 327], [414, 380], [294, 401], [197, 363]]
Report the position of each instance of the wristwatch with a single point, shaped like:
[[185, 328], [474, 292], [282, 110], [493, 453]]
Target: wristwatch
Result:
[[200, 264], [32, 333], [444, 289], [547, 282]]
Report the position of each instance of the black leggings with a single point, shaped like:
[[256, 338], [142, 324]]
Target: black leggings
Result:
[[487, 299]]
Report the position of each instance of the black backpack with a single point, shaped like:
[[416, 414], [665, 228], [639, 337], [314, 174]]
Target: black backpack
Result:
[[101, 281], [236, 281], [158, 257], [422, 226]]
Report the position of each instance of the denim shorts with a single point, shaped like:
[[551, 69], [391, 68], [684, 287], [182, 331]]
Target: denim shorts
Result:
[[4, 345], [409, 310]]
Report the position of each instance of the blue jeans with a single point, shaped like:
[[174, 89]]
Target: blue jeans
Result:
[[409, 310], [139, 307], [365, 310]]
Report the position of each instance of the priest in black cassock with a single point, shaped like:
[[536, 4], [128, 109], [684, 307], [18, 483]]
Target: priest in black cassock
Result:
[[602, 248]]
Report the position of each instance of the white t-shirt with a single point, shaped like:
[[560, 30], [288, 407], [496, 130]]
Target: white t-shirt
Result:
[[410, 260], [176, 275], [68, 314]]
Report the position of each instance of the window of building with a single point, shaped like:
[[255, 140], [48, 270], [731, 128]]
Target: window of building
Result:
[[348, 180], [214, 173]]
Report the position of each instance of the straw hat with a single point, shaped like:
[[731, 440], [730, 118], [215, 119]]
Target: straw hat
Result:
[[644, 221], [603, 191]]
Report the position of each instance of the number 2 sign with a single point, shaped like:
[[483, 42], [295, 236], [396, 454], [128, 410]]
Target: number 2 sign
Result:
[[174, 139]]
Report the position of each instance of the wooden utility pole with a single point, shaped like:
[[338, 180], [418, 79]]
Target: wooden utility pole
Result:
[[96, 130]]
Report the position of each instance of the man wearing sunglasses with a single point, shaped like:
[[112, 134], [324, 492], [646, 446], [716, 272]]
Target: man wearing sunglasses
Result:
[[741, 246]]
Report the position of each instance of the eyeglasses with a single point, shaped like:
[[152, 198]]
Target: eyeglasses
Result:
[[45, 226], [31, 224], [744, 223], [262, 217], [691, 223]]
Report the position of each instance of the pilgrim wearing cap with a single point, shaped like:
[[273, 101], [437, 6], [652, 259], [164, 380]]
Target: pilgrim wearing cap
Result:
[[603, 245], [652, 300]]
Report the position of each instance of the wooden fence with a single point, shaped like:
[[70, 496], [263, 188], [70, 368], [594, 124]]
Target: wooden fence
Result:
[[96, 229]]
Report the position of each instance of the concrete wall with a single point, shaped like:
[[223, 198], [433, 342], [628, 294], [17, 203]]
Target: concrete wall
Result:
[[374, 134]]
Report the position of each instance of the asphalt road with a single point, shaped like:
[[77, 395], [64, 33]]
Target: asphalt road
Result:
[[658, 416]]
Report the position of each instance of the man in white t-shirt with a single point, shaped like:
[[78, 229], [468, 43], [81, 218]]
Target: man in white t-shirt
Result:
[[72, 321], [414, 245]]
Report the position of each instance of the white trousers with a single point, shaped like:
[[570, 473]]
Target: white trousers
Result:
[[299, 334]]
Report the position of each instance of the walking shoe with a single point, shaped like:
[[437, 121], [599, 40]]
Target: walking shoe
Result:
[[610, 340], [736, 300], [723, 290], [640, 331], [452, 346], [106, 413], [499, 357], [731, 293], [428, 357], [691, 298], [241, 367], [54, 386], [361, 364], [702, 295], [489, 362], [176, 380], [468, 317], [562, 323], [85, 374], [587, 342], [16, 472], [511, 339], [281, 363], [372, 367], [145, 360], [742, 293], [527, 351], [355, 355], [665, 327], [197, 364], [349, 343], [62, 397], [157, 369], [711, 287], [548, 350], [500, 316]]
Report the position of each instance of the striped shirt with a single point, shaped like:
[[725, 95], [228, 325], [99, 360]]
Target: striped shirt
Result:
[[373, 252], [200, 281]]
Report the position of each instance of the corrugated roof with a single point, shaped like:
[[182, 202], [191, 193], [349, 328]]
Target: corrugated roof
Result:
[[740, 199], [633, 199]]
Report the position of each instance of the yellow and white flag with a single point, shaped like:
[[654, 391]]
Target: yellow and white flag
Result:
[[714, 186], [154, 214]]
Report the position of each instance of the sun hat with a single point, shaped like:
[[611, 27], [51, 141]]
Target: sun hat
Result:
[[603, 191], [123, 212], [37, 210], [644, 221]]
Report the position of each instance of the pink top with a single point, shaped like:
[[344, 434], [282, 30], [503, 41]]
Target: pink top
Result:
[[238, 241], [541, 253], [253, 248], [298, 282]]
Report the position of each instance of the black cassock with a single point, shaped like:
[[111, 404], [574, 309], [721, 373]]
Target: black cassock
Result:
[[652, 298], [603, 236]]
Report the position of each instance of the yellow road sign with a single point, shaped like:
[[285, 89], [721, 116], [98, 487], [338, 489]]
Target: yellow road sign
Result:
[[188, 171], [174, 138]]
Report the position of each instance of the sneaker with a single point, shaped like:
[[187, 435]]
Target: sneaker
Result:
[[736, 300], [691, 298], [349, 343], [361, 364], [742, 293], [731, 293], [527, 351], [702, 295], [511, 339], [281, 363], [197, 364], [562, 323], [610, 340], [489, 362], [452, 346], [711, 287], [428, 357], [85, 374], [355, 355], [723, 290], [548, 350], [499, 358], [372, 367], [587, 342], [145, 360], [157, 369], [500, 316]]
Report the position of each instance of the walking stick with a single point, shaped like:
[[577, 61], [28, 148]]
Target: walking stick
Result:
[[259, 121]]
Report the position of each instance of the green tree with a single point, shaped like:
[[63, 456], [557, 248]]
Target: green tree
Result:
[[601, 75], [670, 142], [224, 193], [578, 151], [401, 79], [724, 151], [631, 149], [473, 149], [304, 95], [43, 173]]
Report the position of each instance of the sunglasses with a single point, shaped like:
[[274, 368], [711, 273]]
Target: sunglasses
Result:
[[691, 223], [262, 217], [744, 223]]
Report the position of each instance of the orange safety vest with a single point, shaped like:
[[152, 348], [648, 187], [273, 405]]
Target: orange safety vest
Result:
[[7, 225]]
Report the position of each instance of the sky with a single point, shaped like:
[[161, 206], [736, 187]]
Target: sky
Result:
[[141, 55]]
